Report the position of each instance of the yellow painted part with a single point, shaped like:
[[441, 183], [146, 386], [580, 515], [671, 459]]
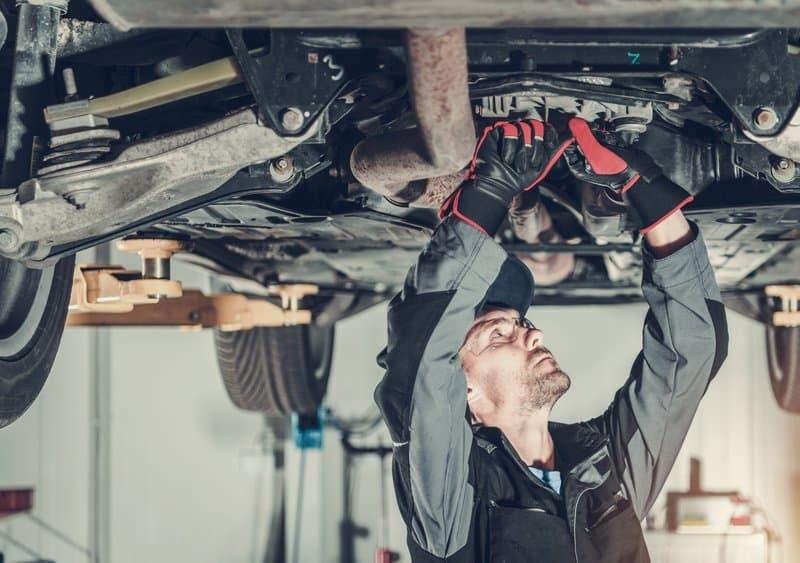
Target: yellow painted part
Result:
[[197, 80]]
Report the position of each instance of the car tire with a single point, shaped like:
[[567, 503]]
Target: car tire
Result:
[[783, 359], [33, 311], [276, 370]]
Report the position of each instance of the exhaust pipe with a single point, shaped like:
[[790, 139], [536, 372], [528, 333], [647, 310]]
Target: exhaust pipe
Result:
[[422, 166], [531, 222]]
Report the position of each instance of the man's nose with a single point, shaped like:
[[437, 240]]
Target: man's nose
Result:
[[532, 337]]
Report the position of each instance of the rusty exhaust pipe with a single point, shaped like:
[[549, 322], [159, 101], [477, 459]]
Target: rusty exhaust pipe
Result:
[[422, 166]]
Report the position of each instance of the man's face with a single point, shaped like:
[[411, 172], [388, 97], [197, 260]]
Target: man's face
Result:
[[508, 370]]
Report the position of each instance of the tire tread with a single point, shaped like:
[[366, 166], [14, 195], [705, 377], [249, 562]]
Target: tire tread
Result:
[[271, 370]]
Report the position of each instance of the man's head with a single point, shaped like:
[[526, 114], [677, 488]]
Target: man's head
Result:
[[509, 372]]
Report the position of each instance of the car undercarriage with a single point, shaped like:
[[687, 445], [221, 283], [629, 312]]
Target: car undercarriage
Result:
[[319, 156]]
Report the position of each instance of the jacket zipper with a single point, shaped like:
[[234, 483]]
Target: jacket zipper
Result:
[[521, 465], [575, 520], [493, 504], [608, 513], [575, 517]]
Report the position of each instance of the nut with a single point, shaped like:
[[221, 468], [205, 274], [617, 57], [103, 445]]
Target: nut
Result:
[[281, 170], [6, 239], [765, 119], [292, 119], [9, 240], [783, 170]]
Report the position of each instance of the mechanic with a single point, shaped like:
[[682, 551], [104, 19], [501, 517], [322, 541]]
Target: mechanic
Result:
[[480, 472]]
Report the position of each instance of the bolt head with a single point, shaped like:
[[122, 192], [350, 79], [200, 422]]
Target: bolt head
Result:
[[765, 118], [281, 169], [292, 119], [784, 170], [8, 240]]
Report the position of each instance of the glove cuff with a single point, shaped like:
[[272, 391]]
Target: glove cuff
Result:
[[477, 208], [655, 200]]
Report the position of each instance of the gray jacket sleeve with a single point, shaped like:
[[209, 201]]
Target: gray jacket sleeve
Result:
[[422, 396], [685, 341]]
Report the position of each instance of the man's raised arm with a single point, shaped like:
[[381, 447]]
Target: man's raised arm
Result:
[[685, 341], [685, 336], [423, 395]]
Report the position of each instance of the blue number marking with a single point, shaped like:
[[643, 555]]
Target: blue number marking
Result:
[[634, 57]]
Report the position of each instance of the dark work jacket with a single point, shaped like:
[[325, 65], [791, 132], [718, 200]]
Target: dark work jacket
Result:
[[519, 519], [464, 494]]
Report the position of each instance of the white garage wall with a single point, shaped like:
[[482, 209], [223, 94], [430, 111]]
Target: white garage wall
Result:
[[179, 491], [48, 449]]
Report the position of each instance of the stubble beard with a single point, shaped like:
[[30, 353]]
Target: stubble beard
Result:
[[542, 385]]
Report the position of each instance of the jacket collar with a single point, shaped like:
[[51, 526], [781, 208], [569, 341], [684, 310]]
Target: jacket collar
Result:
[[581, 451]]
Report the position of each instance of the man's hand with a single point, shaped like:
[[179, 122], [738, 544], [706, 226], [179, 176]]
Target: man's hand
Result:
[[510, 157], [631, 173]]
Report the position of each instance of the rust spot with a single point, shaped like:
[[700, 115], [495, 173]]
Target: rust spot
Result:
[[443, 142]]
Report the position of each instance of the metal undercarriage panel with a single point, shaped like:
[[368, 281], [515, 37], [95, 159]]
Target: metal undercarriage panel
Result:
[[374, 250]]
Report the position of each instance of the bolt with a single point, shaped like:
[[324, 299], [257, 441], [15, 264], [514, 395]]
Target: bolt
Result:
[[528, 63], [8, 240], [674, 55], [70, 85], [783, 170], [292, 119], [765, 118], [281, 170]]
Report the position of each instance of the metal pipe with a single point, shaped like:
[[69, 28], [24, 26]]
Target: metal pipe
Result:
[[197, 80], [399, 165], [531, 222]]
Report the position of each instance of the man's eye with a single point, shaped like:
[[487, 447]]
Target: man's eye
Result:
[[495, 334]]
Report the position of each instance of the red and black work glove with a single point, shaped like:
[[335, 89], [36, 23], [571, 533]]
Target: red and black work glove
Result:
[[631, 173], [510, 158]]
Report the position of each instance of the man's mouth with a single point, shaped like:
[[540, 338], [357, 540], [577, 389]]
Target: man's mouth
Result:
[[542, 358]]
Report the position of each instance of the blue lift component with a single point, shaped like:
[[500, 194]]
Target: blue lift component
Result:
[[307, 429]]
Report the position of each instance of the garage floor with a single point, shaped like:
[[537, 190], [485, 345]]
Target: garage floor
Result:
[[178, 474]]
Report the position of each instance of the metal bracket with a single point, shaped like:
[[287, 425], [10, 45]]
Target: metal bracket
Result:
[[291, 83], [142, 179], [789, 315], [756, 79]]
